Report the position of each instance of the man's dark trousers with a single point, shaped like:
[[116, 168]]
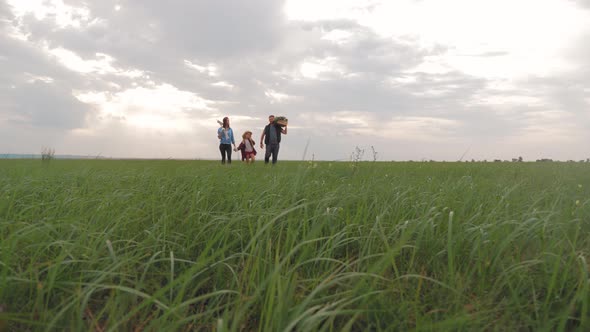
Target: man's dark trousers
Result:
[[271, 149]]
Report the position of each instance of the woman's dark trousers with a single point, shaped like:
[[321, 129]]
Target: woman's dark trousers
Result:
[[225, 149]]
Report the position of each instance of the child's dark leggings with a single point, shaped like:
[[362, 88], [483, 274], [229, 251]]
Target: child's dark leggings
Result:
[[225, 149]]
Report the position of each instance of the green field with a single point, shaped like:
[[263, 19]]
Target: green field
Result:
[[192, 245]]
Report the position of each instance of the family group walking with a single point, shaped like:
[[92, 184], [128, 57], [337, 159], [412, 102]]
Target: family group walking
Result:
[[271, 138]]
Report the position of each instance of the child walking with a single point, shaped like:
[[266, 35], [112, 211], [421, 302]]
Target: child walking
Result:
[[247, 148]]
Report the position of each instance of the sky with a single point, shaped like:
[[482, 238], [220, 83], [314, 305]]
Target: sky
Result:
[[413, 79]]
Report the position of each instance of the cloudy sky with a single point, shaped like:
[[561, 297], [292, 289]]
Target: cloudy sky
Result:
[[416, 79]]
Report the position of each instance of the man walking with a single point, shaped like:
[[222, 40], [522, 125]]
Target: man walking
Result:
[[271, 135]]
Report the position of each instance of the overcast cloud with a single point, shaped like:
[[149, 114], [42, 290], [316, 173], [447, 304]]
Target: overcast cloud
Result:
[[415, 79]]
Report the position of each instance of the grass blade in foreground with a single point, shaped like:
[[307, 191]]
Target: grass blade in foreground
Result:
[[184, 245]]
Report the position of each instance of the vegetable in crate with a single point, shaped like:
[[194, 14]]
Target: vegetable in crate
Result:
[[281, 120]]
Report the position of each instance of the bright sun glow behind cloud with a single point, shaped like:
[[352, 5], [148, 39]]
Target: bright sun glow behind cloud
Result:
[[161, 107]]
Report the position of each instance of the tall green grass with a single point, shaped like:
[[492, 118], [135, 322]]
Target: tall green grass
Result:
[[186, 245]]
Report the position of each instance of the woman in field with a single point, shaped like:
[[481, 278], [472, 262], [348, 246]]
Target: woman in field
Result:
[[226, 139], [247, 148]]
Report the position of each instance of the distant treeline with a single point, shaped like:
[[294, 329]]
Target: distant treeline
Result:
[[514, 160]]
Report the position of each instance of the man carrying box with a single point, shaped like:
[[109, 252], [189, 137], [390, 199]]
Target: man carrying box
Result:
[[271, 135]]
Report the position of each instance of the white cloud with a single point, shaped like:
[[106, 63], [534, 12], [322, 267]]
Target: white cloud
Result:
[[35, 78], [372, 126], [223, 84], [210, 69], [160, 107], [322, 69], [551, 127], [343, 119], [311, 10], [532, 40], [337, 36], [63, 14], [102, 64], [277, 97]]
